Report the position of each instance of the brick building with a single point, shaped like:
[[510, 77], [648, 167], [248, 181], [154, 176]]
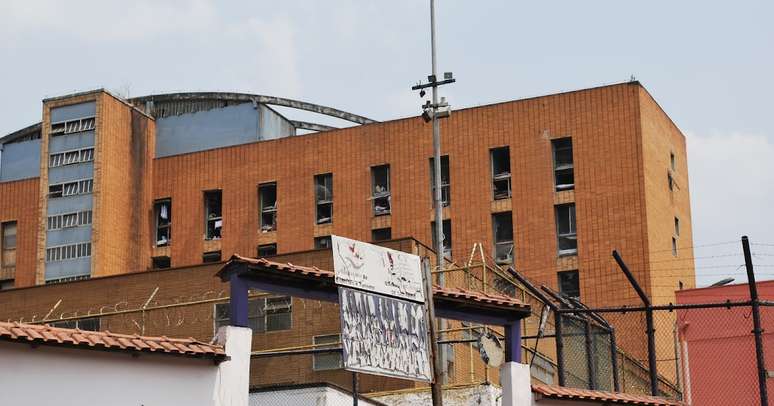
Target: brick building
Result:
[[552, 184]]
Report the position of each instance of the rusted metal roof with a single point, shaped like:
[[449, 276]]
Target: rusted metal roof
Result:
[[565, 393], [107, 341]]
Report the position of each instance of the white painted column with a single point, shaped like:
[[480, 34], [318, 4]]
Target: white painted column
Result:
[[515, 380], [233, 386]]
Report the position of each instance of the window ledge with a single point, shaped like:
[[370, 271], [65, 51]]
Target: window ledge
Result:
[[568, 253]]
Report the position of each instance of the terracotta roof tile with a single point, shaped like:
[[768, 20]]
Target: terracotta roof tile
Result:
[[47, 335], [563, 392], [454, 293]]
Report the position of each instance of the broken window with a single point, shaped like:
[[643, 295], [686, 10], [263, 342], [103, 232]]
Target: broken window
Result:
[[267, 250], [59, 221], [381, 234], [161, 262], [502, 225], [569, 283], [445, 184], [447, 237], [323, 190], [8, 242], [72, 126], [322, 243], [501, 173], [71, 188], [565, 229], [326, 361], [263, 314], [212, 256], [564, 176], [267, 193], [213, 214], [163, 214], [380, 189]]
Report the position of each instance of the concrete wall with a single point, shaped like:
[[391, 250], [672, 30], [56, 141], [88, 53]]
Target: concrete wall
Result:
[[65, 377], [220, 127], [20, 160]]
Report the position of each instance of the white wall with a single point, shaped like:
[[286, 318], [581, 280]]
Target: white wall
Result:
[[62, 376], [313, 396]]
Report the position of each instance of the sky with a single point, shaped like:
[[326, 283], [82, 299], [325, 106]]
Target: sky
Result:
[[707, 63]]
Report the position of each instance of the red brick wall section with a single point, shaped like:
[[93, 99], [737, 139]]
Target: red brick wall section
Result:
[[19, 203]]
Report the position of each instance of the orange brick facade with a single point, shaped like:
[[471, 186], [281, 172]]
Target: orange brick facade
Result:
[[622, 143]]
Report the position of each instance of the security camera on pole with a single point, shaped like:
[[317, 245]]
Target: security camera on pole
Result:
[[433, 111]]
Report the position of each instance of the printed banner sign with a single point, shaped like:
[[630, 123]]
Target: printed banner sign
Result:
[[377, 269], [384, 336]]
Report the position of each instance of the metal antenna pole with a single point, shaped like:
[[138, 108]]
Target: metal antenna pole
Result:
[[757, 330]]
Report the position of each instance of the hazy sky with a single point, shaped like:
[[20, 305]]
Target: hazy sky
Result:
[[708, 63]]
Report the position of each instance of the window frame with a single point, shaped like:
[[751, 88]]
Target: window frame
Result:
[[266, 210], [503, 243], [166, 228], [7, 252], [319, 239], [321, 181], [500, 178], [217, 232], [377, 230], [559, 278], [256, 311], [266, 246], [572, 235], [384, 196], [447, 234], [336, 354], [565, 168]]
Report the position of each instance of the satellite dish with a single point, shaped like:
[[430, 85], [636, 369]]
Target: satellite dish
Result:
[[491, 349]]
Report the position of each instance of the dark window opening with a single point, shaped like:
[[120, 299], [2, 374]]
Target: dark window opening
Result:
[[8, 243], [326, 361], [213, 214], [447, 237], [502, 225], [445, 183], [569, 283], [672, 160], [674, 246], [212, 256], [322, 243], [90, 324], [501, 172], [670, 182], [7, 284], [380, 189], [162, 262], [163, 213], [323, 190], [381, 234], [263, 314], [267, 250], [267, 193], [677, 227], [567, 240], [564, 176]]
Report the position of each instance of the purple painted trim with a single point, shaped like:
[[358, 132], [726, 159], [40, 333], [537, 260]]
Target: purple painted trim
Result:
[[513, 342]]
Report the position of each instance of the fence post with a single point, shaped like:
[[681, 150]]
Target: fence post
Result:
[[614, 361], [757, 330], [559, 346], [648, 320], [592, 371]]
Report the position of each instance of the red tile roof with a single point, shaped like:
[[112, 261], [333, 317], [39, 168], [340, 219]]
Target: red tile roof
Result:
[[452, 293], [107, 341], [565, 393]]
